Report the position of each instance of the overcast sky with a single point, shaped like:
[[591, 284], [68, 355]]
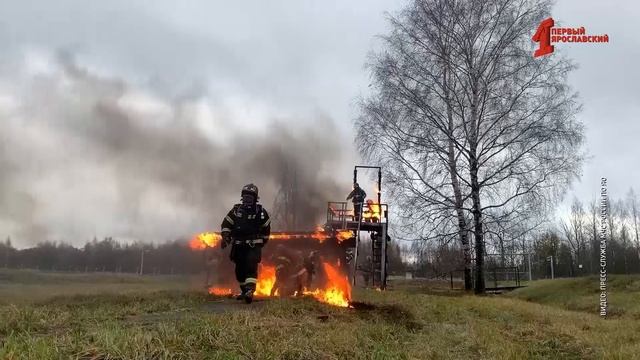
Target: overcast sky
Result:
[[608, 82], [237, 66]]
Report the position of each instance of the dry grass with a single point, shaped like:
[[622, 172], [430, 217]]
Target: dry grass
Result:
[[30, 285], [399, 324]]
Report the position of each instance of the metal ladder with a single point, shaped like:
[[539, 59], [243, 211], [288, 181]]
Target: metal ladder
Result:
[[376, 261], [355, 256], [379, 259]]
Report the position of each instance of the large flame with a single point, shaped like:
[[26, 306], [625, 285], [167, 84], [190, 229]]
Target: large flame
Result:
[[266, 280], [337, 291], [204, 240]]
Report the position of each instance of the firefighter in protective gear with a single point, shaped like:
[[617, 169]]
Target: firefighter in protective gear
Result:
[[290, 271], [357, 195], [246, 228], [311, 262]]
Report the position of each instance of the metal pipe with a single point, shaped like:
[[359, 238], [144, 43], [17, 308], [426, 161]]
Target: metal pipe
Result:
[[383, 267], [529, 261], [379, 186], [141, 260]]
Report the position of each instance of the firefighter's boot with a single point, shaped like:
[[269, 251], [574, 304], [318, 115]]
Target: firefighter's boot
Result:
[[243, 293], [248, 296]]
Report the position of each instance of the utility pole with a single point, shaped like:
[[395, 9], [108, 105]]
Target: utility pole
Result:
[[529, 261], [285, 206], [141, 259], [7, 249], [550, 258]]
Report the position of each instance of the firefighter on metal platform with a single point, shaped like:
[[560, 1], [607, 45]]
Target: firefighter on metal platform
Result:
[[246, 228], [357, 195]]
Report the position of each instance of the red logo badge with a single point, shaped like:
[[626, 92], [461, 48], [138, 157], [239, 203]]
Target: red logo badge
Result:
[[543, 38], [546, 34]]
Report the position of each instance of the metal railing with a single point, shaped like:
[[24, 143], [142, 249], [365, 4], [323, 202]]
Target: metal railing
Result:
[[338, 211]]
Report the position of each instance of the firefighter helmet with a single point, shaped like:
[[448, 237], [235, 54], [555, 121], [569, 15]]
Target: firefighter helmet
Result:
[[250, 189]]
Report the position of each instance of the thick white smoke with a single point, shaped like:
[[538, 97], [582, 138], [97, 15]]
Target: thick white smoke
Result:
[[83, 153]]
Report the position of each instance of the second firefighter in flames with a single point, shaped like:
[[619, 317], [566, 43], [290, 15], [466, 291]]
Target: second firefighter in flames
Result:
[[293, 271], [246, 228]]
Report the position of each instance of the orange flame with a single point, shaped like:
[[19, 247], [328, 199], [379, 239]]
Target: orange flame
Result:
[[372, 212], [343, 235], [337, 291], [204, 240], [220, 291], [320, 235], [207, 239], [266, 280]]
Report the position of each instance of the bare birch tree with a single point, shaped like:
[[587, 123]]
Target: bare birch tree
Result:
[[459, 99], [632, 203], [409, 125], [574, 229]]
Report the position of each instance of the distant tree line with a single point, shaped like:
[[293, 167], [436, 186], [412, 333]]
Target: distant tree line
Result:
[[580, 241], [571, 243], [396, 257], [107, 255]]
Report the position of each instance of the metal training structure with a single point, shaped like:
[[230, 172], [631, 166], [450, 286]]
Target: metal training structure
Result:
[[373, 219]]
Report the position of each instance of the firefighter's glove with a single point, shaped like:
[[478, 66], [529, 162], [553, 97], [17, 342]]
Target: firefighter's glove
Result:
[[226, 240]]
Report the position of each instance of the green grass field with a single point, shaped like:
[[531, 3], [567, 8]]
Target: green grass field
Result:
[[53, 316], [581, 294]]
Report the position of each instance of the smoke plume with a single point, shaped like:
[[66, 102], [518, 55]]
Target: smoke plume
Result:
[[85, 154]]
